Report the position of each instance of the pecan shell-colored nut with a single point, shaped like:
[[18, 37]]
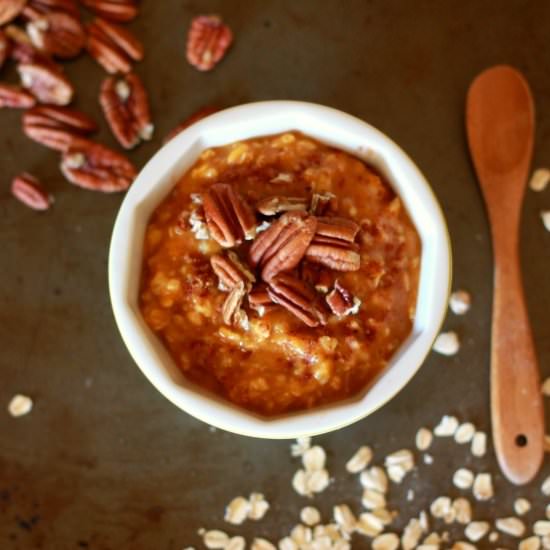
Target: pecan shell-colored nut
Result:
[[45, 83], [228, 216], [28, 190], [207, 41], [109, 56], [22, 50], [337, 228], [341, 301], [114, 10], [281, 247], [4, 47], [231, 271], [271, 206], [195, 117], [340, 257], [298, 298], [96, 167], [260, 301], [121, 37], [47, 6], [10, 9], [231, 310], [15, 97], [125, 104], [58, 34]]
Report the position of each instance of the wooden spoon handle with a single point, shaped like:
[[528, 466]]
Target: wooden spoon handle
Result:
[[516, 400]]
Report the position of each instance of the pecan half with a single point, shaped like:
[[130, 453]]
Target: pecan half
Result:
[[228, 216], [320, 203], [203, 112], [275, 205], [96, 167], [207, 41], [15, 97], [45, 83], [231, 271], [125, 104], [122, 37], [341, 301], [114, 10], [298, 298], [28, 190], [56, 127], [10, 9], [231, 309], [22, 49], [57, 33], [282, 245], [47, 6], [260, 301], [4, 47]]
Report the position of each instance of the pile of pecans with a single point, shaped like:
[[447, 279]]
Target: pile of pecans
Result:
[[36, 35]]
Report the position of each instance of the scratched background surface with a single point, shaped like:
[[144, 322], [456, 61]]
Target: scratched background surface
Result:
[[104, 462]]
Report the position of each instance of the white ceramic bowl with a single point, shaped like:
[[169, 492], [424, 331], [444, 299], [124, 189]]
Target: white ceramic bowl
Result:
[[258, 119]]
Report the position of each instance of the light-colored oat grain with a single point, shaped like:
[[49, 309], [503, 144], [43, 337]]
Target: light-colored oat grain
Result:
[[301, 445], [360, 460], [530, 543], [476, 530], [424, 438], [460, 302], [545, 217], [540, 179], [387, 541], [215, 539], [464, 433], [511, 526], [461, 545], [463, 478], [20, 405], [258, 506], [310, 515], [447, 343], [372, 500], [262, 544], [521, 506], [447, 426], [237, 511], [440, 507], [411, 534], [301, 534], [374, 478], [314, 459], [542, 528], [545, 487], [483, 487], [344, 517], [286, 543], [479, 444], [463, 510], [236, 543]]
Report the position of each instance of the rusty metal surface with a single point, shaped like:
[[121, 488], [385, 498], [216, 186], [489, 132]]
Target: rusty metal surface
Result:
[[104, 462]]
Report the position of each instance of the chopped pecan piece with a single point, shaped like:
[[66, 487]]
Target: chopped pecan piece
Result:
[[275, 205], [320, 203], [57, 33], [10, 9], [56, 127], [337, 228], [23, 51], [228, 216], [114, 10], [207, 41], [28, 190], [47, 6], [231, 271], [282, 246], [45, 83], [122, 37], [260, 301], [341, 301], [298, 298], [195, 117], [94, 166], [125, 105], [231, 309], [15, 97], [4, 47]]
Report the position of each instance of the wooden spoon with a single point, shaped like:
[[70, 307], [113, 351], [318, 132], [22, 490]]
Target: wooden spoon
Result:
[[500, 126]]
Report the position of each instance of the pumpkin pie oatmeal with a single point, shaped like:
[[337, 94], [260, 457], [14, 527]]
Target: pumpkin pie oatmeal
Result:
[[280, 273]]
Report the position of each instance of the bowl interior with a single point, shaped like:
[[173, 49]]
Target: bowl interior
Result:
[[333, 128]]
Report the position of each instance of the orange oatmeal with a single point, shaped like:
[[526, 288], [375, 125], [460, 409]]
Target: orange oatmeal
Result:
[[280, 273]]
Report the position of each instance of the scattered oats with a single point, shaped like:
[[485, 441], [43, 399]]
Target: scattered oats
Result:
[[398, 464], [214, 539], [447, 343], [424, 521], [321, 543], [188, 548], [464, 433], [341, 545], [521, 506], [330, 529], [460, 302], [542, 528], [511, 526], [310, 515], [545, 487], [262, 544], [385, 516], [531, 543], [318, 481], [447, 426], [287, 543], [463, 478], [476, 530], [539, 180], [440, 507], [428, 459], [300, 483], [433, 539], [479, 444], [237, 511], [545, 216], [410, 495], [301, 534], [427, 547], [461, 545], [374, 478], [314, 458], [545, 388], [493, 536], [463, 510], [301, 446], [372, 500], [424, 439], [344, 517], [236, 543], [258, 506], [387, 541], [483, 487], [411, 534], [20, 405], [360, 460]]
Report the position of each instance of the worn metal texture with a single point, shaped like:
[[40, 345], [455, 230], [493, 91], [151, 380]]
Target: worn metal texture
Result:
[[104, 462]]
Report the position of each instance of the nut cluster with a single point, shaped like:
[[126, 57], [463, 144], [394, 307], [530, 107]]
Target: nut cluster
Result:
[[269, 275]]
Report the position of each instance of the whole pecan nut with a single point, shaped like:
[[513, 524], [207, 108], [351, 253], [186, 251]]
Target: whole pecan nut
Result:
[[45, 83], [231, 271], [228, 216], [10, 9], [47, 6], [114, 10], [298, 298], [282, 246], [271, 206], [207, 41], [96, 167], [203, 112], [232, 312], [57, 33], [4, 47], [125, 104], [28, 190], [341, 301], [15, 97]]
